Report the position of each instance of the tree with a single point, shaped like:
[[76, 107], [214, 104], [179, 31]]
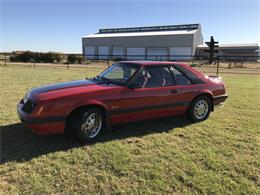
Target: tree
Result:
[[72, 58], [26, 56], [58, 57], [49, 57], [79, 59]]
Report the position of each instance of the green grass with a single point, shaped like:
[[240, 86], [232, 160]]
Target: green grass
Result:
[[170, 155]]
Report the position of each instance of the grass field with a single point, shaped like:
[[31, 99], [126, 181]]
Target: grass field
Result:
[[170, 155]]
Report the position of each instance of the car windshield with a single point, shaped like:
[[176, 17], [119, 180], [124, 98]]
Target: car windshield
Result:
[[118, 73]]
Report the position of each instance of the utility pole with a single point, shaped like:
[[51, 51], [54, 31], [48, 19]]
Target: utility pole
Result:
[[212, 49]]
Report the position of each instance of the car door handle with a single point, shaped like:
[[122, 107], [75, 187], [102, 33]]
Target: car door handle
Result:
[[174, 91]]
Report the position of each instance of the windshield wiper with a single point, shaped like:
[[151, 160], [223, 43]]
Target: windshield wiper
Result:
[[109, 81], [106, 80]]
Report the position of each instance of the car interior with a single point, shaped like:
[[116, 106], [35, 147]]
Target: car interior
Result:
[[154, 77]]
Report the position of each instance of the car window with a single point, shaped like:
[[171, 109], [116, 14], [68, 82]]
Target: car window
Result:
[[154, 77], [120, 71], [180, 78]]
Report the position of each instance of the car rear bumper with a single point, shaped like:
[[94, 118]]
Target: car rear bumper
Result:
[[42, 126], [220, 99]]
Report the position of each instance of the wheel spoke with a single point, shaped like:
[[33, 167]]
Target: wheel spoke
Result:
[[92, 125], [201, 109]]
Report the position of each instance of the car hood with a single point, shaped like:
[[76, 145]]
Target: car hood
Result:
[[67, 89], [61, 85]]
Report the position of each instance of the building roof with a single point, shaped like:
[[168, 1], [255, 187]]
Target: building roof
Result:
[[146, 31], [137, 34], [151, 28]]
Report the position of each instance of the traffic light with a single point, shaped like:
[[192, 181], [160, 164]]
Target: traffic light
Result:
[[212, 45]]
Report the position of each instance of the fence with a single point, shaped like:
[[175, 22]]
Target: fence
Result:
[[172, 57], [72, 59], [251, 63]]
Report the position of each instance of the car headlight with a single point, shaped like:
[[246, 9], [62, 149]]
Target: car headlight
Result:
[[24, 99]]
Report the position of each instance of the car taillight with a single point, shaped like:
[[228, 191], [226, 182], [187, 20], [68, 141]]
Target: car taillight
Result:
[[215, 79]]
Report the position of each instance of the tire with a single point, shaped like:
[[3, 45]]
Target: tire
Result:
[[199, 109], [89, 125]]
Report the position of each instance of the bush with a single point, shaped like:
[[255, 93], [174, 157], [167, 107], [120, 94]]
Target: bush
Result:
[[117, 59], [26, 56], [48, 57], [74, 58], [38, 57], [79, 59], [59, 58], [71, 59]]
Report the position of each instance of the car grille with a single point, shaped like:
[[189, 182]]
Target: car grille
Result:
[[28, 106]]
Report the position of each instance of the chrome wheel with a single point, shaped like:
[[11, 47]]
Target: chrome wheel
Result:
[[92, 125], [201, 109]]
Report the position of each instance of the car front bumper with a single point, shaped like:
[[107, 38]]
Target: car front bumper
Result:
[[42, 126]]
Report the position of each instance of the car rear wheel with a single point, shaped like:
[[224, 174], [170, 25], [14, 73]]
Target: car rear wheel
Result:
[[200, 109], [89, 125]]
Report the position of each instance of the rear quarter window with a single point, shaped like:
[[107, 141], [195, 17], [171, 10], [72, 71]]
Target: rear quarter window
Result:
[[188, 74], [180, 78]]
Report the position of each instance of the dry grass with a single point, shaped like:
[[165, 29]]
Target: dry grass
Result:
[[170, 155]]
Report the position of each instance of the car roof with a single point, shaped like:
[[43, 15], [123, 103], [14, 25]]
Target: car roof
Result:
[[149, 63]]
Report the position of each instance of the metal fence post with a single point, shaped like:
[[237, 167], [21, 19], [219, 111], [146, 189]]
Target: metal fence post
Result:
[[217, 65], [33, 62], [87, 71], [5, 58]]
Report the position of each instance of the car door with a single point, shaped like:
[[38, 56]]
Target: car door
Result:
[[182, 92], [150, 100]]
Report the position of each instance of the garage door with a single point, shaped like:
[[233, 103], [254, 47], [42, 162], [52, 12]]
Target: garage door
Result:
[[157, 53], [103, 52], [118, 52], [90, 52], [136, 53], [180, 53]]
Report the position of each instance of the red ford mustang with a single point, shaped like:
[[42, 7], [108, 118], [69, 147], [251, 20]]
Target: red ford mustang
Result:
[[125, 92]]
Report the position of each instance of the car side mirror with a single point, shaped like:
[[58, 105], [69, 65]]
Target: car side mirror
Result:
[[134, 85]]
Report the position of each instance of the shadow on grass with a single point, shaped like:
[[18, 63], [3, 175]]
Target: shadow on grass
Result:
[[20, 144]]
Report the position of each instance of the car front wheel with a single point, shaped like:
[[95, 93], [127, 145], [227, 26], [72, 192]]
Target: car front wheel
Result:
[[200, 109], [89, 125]]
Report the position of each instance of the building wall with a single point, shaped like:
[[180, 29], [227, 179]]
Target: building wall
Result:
[[231, 54], [141, 42], [197, 40], [145, 41]]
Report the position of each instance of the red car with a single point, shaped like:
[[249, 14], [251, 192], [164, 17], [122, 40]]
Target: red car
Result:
[[127, 91]]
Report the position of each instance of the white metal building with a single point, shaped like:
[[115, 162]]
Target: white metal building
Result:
[[247, 51], [172, 42]]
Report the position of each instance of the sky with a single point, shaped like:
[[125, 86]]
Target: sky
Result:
[[59, 25]]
